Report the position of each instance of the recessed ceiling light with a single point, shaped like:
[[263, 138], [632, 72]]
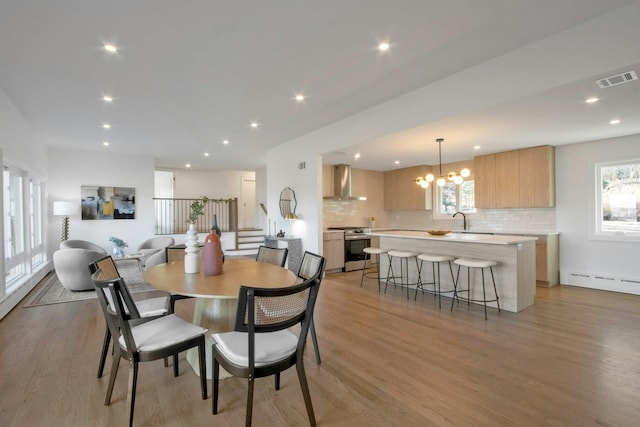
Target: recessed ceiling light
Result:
[[356, 156], [206, 154], [397, 162], [614, 122], [106, 125], [254, 124], [107, 98], [187, 165], [225, 142], [476, 147], [106, 143], [111, 48], [592, 100], [384, 46], [300, 97]]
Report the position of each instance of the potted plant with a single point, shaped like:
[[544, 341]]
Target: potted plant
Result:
[[192, 251], [197, 209], [119, 246]]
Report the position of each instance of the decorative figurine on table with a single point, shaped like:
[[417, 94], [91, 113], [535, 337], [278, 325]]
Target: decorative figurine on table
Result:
[[280, 234]]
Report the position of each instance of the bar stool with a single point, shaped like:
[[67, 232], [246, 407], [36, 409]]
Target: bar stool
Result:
[[481, 264], [434, 259], [404, 268], [366, 271]]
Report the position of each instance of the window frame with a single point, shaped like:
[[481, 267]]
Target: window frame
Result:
[[599, 231], [25, 242], [439, 214]]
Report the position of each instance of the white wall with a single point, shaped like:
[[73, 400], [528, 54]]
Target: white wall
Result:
[[263, 219], [575, 211], [70, 169], [217, 184], [282, 171]]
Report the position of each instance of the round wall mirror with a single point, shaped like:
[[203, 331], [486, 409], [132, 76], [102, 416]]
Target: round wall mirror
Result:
[[288, 203]]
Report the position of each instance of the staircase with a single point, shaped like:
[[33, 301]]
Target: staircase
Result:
[[248, 240]]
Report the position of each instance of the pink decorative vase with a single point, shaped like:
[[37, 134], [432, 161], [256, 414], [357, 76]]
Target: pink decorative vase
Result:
[[212, 256]]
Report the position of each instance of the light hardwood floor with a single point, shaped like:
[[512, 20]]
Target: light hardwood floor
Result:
[[572, 359]]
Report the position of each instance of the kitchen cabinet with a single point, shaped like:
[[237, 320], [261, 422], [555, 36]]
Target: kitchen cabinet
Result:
[[401, 191], [516, 179], [333, 249], [547, 260]]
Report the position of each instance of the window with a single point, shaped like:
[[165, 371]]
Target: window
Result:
[[451, 198], [35, 223], [24, 247], [13, 227], [618, 200]]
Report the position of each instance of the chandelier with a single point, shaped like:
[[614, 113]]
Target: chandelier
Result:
[[451, 176]]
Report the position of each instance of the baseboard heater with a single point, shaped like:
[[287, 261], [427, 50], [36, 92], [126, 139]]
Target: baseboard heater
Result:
[[603, 281]]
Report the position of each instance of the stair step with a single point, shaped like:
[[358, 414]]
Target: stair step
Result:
[[250, 241], [250, 236]]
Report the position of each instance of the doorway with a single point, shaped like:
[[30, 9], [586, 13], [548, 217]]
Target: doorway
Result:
[[247, 209]]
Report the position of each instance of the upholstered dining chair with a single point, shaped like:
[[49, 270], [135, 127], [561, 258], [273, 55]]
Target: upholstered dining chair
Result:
[[261, 343], [151, 307], [312, 265], [277, 256], [143, 339]]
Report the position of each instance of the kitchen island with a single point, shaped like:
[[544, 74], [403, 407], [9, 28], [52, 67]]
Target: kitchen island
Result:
[[515, 273]]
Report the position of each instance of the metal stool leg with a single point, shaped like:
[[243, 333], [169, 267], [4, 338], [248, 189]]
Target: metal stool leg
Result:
[[366, 257], [494, 288]]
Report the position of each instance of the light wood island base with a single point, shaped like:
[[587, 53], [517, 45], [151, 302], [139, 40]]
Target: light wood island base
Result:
[[515, 273]]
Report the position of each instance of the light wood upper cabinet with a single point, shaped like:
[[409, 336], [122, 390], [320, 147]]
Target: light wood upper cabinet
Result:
[[508, 179], [484, 175], [537, 177], [516, 179], [401, 191]]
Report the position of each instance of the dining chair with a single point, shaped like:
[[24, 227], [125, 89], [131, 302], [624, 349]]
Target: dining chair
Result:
[[150, 307], [261, 343], [277, 256], [143, 339], [312, 265]]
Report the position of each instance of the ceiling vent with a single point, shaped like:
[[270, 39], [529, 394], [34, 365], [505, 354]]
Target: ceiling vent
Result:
[[618, 79]]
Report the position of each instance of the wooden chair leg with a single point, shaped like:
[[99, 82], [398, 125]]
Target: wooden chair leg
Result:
[[203, 369], [175, 365], [249, 402], [105, 349], [115, 362], [314, 339], [131, 396], [304, 386], [216, 383]]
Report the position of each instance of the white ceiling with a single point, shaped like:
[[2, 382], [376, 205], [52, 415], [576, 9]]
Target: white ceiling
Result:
[[191, 74]]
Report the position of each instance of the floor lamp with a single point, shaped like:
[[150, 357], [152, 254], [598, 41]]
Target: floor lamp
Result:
[[64, 209]]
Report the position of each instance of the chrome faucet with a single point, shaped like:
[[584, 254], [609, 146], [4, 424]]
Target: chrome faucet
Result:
[[464, 219]]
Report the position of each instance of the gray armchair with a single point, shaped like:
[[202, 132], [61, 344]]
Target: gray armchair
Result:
[[72, 267], [153, 250], [82, 244]]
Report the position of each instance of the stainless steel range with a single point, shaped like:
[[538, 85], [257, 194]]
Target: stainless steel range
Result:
[[355, 240]]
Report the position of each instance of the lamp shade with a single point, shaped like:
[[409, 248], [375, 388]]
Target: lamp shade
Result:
[[64, 208]]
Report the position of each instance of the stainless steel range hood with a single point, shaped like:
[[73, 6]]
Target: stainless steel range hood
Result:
[[342, 184]]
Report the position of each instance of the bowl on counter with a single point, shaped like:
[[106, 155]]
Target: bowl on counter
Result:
[[438, 232]]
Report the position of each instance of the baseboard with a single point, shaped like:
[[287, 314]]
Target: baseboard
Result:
[[15, 297]]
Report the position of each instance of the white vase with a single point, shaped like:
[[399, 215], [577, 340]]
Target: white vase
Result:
[[192, 255]]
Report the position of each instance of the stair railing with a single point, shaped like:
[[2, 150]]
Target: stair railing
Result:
[[171, 215]]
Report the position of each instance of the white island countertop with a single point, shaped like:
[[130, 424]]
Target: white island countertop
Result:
[[492, 239]]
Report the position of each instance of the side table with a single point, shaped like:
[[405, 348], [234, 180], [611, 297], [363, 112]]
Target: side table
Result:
[[294, 244]]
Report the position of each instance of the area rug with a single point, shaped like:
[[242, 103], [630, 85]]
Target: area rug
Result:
[[51, 291]]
